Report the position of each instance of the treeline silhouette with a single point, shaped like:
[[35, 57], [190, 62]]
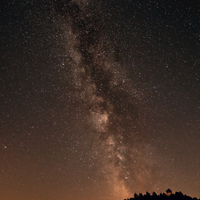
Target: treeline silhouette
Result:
[[162, 196]]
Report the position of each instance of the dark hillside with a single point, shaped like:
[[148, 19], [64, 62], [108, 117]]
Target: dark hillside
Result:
[[162, 196]]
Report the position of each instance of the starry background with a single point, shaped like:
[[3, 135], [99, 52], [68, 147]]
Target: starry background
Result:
[[98, 99]]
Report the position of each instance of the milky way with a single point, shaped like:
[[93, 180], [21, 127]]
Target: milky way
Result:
[[109, 99]]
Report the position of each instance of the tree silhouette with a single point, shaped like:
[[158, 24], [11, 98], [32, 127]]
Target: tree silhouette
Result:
[[162, 196]]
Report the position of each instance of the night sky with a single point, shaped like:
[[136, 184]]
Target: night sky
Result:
[[98, 99]]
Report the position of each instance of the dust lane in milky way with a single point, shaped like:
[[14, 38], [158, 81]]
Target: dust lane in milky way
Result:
[[111, 102]]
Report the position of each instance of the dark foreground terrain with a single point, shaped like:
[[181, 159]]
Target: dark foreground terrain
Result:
[[162, 196]]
